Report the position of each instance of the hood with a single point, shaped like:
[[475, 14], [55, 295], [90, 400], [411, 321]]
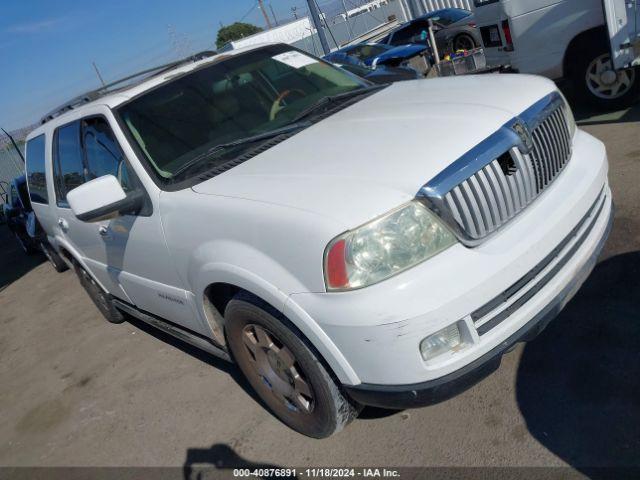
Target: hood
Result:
[[376, 154]]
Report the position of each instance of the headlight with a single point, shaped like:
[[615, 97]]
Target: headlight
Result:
[[384, 247], [571, 121]]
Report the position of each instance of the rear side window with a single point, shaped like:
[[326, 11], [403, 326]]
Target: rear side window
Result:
[[36, 177], [68, 166]]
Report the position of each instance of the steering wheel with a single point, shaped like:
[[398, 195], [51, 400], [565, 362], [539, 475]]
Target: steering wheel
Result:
[[276, 107]]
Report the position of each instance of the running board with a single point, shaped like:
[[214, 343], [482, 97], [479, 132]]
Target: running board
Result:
[[173, 330]]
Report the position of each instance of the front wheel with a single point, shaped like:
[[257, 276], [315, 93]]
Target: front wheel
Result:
[[595, 80], [284, 369]]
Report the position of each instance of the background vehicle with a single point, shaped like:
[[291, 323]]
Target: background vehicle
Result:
[[374, 54], [567, 39], [4, 195], [455, 30], [381, 74], [17, 209], [270, 208], [24, 225]]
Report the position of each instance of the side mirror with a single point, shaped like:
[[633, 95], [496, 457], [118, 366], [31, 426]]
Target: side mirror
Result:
[[102, 199]]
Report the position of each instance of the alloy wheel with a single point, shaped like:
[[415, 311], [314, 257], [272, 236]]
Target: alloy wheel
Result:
[[605, 82], [277, 368]]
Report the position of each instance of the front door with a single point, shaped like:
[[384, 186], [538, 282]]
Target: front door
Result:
[[127, 254], [623, 23]]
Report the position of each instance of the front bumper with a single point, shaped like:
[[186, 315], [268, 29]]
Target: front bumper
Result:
[[448, 386], [491, 291]]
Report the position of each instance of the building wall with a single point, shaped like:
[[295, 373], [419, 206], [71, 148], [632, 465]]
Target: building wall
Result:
[[425, 6], [301, 33]]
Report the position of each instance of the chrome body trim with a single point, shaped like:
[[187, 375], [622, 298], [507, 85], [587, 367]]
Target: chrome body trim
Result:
[[174, 330], [498, 178]]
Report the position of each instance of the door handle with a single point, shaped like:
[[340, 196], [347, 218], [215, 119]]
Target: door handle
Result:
[[103, 230], [63, 224]]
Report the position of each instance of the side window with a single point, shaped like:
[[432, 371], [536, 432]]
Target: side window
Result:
[[36, 177], [411, 34], [103, 154], [68, 167], [402, 37]]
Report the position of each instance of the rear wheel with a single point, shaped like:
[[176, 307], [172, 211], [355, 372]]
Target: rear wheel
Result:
[[100, 298], [463, 42], [284, 370], [54, 259], [595, 80]]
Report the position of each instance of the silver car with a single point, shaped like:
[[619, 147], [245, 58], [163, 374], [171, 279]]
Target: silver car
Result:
[[455, 30]]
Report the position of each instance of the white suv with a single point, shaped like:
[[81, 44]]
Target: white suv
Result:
[[334, 238]]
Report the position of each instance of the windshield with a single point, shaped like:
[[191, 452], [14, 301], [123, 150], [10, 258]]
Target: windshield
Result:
[[221, 109], [364, 52]]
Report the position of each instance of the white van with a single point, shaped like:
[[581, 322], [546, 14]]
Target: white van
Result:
[[572, 39]]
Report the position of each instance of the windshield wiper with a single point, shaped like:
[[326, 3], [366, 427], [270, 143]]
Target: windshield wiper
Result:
[[334, 98], [235, 143]]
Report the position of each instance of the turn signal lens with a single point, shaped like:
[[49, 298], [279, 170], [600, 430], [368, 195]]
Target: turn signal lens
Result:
[[507, 35]]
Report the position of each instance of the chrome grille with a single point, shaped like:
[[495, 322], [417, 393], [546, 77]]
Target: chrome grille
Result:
[[551, 148], [502, 188]]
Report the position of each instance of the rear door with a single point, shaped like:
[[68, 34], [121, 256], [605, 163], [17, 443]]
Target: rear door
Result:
[[623, 23]]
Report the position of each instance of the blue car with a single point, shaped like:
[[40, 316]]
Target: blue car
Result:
[[374, 54]]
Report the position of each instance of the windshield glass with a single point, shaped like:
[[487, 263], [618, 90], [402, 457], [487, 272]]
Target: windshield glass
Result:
[[208, 112], [367, 51]]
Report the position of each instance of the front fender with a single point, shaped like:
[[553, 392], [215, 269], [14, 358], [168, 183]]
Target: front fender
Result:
[[219, 272]]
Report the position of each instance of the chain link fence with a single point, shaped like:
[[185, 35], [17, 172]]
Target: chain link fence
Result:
[[11, 164]]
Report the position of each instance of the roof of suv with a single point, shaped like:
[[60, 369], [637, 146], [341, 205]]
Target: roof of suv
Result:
[[115, 97]]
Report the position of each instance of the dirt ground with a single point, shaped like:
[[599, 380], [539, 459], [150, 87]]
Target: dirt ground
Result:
[[76, 390]]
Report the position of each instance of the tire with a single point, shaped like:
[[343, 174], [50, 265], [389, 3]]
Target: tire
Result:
[[598, 89], [100, 298], [54, 259], [463, 41], [28, 249], [285, 370]]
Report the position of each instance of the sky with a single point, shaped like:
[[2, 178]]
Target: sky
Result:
[[47, 47]]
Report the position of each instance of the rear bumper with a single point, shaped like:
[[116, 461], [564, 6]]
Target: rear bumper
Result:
[[443, 388]]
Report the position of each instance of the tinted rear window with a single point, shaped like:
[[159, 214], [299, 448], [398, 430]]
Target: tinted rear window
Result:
[[36, 177]]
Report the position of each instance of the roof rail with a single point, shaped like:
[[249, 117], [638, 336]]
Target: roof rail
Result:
[[109, 88]]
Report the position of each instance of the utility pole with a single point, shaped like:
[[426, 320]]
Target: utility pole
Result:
[[346, 19], [264, 13], [98, 73], [317, 22]]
